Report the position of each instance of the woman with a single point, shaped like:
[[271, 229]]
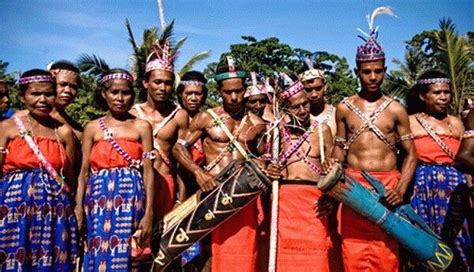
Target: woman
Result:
[[437, 139], [37, 223], [112, 193]]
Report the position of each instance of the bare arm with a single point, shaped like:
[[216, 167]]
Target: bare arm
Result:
[[67, 135], [338, 151], [183, 156], [409, 162], [5, 126], [465, 156]]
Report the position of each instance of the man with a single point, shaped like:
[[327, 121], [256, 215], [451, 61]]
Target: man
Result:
[[5, 110], [369, 125], [168, 122], [304, 241], [68, 82], [257, 96], [234, 242], [315, 86]]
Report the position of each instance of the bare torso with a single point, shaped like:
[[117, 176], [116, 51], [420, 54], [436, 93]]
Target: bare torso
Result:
[[327, 116]]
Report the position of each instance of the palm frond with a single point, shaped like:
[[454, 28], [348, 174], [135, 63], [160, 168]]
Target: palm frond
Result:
[[131, 38], [193, 60], [167, 33], [92, 64]]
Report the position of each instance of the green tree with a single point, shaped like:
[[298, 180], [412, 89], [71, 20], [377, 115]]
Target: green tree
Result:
[[9, 79]]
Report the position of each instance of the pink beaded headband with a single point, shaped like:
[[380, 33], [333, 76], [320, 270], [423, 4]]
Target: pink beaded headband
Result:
[[108, 77], [432, 81], [38, 78], [191, 83], [164, 59]]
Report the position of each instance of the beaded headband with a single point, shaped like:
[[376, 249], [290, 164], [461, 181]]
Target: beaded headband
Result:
[[311, 74], [34, 79], [191, 83], [371, 50], [164, 58], [108, 77], [64, 71], [258, 87], [432, 81], [292, 90], [232, 71]]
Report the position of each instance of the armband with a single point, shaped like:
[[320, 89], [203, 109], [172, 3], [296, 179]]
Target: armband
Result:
[[406, 137], [183, 142], [151, 155], [3, 150], [339, 141], [468, 134]]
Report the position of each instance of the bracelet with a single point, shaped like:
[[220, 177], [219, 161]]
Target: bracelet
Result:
[[406, 137], [182, 142]]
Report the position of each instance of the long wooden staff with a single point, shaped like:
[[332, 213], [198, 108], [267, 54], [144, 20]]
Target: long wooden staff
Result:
[[275, 188]]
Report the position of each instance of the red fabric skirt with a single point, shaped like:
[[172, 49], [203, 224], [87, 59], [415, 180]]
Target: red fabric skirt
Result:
[[366, 246], [164, 195]]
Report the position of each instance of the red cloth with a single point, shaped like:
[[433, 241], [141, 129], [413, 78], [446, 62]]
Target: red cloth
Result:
[[427, 150], [197, 153], [164, 199], [20, 155], [366, 246], [104, 155], [234, 243], [304, 241]]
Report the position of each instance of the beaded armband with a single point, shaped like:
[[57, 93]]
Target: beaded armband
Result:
[[182, 142], [151, 155], [3, 150], [406, 137], [468, 134], [339, 141]]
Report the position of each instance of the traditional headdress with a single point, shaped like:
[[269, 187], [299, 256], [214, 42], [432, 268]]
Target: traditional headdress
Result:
[[162, 58], [293, 87], [62, 66], [432, 81], [312, 72], [108, 77], [192, 83], [228, 68], [35, 79], [372, 50], [257, 86]]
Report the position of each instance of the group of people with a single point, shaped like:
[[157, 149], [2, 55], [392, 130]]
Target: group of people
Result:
[[74, 197]]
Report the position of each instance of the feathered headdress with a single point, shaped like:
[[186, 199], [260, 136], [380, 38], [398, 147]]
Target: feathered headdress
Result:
[[371, 50], [313, 71], [163, 55], [290, 88], [259, 86], [228, 68]]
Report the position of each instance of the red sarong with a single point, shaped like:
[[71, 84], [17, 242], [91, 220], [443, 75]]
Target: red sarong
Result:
[[304, 241], [164, 195], [234, 243], [366, 246]]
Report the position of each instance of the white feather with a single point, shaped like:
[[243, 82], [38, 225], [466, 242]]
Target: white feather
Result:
[[378, 11]]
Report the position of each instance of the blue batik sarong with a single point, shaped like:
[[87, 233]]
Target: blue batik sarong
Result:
[[37, 223], [114, 205]]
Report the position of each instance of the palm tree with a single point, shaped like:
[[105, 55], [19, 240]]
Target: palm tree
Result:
[[92, 65]]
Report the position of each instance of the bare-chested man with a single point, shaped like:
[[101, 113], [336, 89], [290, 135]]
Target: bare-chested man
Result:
[[369, 125], [234, 242], [168, 122], [304, 242], [315, 86]]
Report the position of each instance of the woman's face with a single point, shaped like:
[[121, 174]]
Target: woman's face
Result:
[[39, 98], [119, 96], [437, 98]]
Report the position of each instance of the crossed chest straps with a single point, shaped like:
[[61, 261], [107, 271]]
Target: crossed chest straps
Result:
[[109, 137], [294, 148], [369, 123], [232, 144], [156, 129], [426, 126]]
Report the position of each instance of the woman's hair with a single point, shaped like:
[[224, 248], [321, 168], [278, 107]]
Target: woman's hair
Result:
[[32, 73], [103, 85], [192, 76], [414, 103]]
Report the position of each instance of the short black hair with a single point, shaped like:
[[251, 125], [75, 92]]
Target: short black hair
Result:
[[414, 103], [64, 65], [34, 72], [359, 62], [103, 86], [195, 76]]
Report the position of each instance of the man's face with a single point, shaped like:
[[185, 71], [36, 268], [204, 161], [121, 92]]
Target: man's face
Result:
[[119, 96], [437, 98], [4, 99], [371, 74], [192, 98], [67, 85], [232, 93], [256, 103], [159, 85], [298, 107], [315, 89]]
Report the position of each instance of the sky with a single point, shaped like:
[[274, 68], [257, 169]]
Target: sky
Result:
[[36, 32]]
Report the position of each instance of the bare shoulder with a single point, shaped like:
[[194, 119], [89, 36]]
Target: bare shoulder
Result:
[[398, 109], [456, 123], [201, 119], [65, 131], [141, 125], [181, 117], [8, 128], [91, 126], [255, 119], [21, 113]]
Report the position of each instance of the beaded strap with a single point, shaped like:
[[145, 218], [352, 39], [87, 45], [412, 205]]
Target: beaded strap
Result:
[[369, 122], [426, 126], [300, 141], [109, 137], [232, 141], [25, 134]]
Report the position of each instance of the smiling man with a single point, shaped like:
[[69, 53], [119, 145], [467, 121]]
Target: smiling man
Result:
[[369, 126]]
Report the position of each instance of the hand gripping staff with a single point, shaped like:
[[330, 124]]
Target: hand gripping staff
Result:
[[402, 222]]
